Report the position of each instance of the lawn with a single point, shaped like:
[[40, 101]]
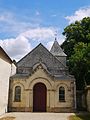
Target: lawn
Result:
[[80, 117]]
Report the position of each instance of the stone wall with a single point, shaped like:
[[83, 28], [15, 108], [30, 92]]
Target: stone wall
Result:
[[52, 85], [88, 97]]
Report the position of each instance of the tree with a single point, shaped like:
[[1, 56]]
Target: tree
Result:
[[77, 48], [76, 32], [79, 64]]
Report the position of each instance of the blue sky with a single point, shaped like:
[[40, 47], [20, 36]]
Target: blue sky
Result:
[[26, 23]]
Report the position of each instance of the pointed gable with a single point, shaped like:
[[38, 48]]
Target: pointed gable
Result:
[[56, 50], [40, 54], [4, 55]]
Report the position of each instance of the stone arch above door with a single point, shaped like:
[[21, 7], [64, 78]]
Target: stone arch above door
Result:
[[45, 81]]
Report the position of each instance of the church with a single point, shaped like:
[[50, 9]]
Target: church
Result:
[[42, 82]]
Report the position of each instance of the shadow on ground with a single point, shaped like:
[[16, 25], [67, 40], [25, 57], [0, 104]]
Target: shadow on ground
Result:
[[80, 116]]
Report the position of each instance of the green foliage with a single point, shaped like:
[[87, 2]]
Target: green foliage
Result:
[[80, 117], [79, 64], [76, 32], [77, 47]]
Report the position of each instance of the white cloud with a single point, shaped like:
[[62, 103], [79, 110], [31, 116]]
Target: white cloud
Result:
[[49, 45], [79, 14], [39, 34], [22, 44], [60, 39], [28, 33], [16, 48]]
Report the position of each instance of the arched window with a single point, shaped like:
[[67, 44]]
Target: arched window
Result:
[[17, 97], [61, 94]]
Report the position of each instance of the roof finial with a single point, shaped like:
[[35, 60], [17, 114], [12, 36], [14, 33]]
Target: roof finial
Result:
[[55, 35]]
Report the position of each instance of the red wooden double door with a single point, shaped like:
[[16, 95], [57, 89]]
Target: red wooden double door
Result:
[[39, 97]]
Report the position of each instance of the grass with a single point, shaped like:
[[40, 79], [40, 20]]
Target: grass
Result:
[[7, 118], [80, 117]]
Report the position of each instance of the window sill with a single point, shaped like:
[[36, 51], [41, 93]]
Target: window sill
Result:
[[62, 101], [17, 101]]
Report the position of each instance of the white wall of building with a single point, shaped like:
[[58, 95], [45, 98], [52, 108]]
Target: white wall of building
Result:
[[6, 70]]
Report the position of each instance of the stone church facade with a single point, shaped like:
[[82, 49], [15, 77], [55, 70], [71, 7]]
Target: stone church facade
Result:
[[42, 82]]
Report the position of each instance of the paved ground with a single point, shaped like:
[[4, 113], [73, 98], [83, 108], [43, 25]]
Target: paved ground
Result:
[[39, 116]]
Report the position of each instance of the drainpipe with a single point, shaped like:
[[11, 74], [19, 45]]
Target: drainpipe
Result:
[[75, 105]]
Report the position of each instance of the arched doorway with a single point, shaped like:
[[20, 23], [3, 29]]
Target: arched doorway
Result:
[[39, 97]]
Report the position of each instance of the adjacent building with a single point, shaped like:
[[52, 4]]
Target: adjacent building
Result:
[[7, 68]]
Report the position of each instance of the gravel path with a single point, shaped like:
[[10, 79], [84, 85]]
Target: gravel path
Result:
[[38, 116]]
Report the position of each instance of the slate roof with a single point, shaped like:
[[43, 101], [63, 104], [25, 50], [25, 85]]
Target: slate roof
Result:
[[41, 66], [56, 50], [64, 77], [41, 55], [55, 77]]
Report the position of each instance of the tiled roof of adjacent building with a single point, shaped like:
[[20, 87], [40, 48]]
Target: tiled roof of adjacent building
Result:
[[5, 55]]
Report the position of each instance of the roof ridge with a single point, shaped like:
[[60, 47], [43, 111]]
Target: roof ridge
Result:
[[46, 49], [30, 52], [6, 54]]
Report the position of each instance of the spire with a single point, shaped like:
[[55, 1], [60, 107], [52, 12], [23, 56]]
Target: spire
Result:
[[56, 50], [55, 36]]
